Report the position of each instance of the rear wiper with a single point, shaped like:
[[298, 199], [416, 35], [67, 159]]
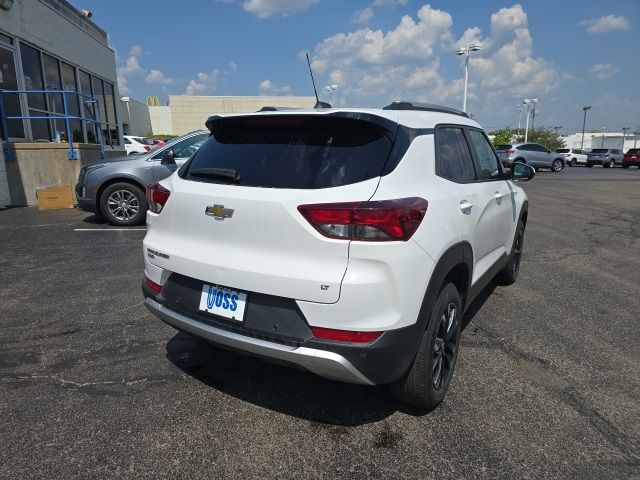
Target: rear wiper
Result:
[[217, 173]]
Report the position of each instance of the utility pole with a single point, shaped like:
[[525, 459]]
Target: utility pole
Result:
[[624, 135], [584, 121]]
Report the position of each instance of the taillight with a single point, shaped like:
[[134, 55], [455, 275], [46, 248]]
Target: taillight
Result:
[[147, 148], [153, 285], [376, 221], [157, 196], [511, 152], [344, 335]]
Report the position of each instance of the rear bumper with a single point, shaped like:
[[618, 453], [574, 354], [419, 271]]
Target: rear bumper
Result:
[[322, 362]]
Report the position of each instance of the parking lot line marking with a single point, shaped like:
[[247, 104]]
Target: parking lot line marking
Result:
[[109, 229]]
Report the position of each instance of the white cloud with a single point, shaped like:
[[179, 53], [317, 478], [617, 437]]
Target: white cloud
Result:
[[269, 8], [132, 63], [604, 71], [606, 23], [233, 67], [372, 67], [123, 87], [363, 16], [266, 87], [203, 84], [157, 77]]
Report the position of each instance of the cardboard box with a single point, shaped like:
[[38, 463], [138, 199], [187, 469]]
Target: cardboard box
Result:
[[54, 198]]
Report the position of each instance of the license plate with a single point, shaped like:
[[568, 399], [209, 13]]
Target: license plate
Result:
[[223, 301]]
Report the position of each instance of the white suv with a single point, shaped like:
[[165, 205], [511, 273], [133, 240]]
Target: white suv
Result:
[[345, 241]]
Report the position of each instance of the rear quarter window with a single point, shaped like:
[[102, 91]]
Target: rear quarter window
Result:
[[294, 151]]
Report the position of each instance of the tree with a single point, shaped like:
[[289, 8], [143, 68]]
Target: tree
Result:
[[503, 136], [547, 137]]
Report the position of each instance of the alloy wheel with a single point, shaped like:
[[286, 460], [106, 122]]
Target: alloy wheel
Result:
[[123, 205], [445, 346]]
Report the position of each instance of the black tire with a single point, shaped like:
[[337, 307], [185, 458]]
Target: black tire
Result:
[[624, 165], [427, 380], [574, 162], [123, 204], [557, 165], [509, 273], [521, 160], [590, 165], [606, 165]]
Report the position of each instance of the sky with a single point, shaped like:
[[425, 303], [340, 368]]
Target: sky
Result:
[[566, 53]]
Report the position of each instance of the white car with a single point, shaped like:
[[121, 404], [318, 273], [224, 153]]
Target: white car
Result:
[[133, 144], [348, 242], [573, 156]]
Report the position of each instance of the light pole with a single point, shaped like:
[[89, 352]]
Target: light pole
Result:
[[584, 121], [526, 102], [331, 89], [472, 47], [520, 105], [556, 129], [534, 111], [603, 130], [624, 135]]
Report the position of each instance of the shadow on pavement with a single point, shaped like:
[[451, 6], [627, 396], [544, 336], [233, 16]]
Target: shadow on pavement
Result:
[[95, 220], [283, 389]]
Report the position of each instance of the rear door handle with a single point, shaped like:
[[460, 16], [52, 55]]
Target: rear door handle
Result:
[[466, 206], [498, 196]]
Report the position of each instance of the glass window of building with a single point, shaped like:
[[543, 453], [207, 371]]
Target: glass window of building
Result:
[[9, 81]]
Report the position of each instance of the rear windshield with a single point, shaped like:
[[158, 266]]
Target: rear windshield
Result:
[[292, 151], [599, 150], [563, 150], [633, 151], [503, 147]]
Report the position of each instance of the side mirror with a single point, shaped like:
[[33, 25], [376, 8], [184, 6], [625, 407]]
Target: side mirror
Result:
[[168, 158], [521, 172]]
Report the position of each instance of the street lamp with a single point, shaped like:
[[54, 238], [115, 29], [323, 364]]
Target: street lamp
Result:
[[519, 107], [526, 102], [584, 121], [472, 47], [556, 129], [624, 135], [534, 111], [604, 129], [331, 89]]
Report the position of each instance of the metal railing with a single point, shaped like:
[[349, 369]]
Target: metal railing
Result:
[[49, 116]]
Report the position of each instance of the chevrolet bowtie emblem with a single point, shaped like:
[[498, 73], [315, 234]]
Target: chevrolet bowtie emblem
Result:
[[219, 212]]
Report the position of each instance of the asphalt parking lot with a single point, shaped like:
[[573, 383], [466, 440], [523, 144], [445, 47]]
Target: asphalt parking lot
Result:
[[547, 383]]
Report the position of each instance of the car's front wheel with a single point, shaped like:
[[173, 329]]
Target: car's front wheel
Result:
[[426, 382], [557, 165], [123, 204], [573, 163]]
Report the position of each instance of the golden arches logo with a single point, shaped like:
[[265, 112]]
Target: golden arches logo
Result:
[[153, 101]]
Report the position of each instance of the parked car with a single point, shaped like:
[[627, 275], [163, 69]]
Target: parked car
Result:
[[158, 142], [573, 156], [320, 239], [607, 157], [631, 158], [532, 154], [135, 145], [115, 189]]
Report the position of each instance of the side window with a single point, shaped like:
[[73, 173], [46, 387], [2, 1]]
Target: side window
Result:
[[185, 148], [488, 162], [127, 141], [453, 158], [526, 147], [538, 148]]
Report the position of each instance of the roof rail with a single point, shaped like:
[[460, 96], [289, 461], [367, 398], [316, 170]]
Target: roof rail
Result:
[[425, 107]]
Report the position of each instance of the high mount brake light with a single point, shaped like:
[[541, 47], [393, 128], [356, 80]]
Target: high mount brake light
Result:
[[344, 335], [157, 196], [374, 221]]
